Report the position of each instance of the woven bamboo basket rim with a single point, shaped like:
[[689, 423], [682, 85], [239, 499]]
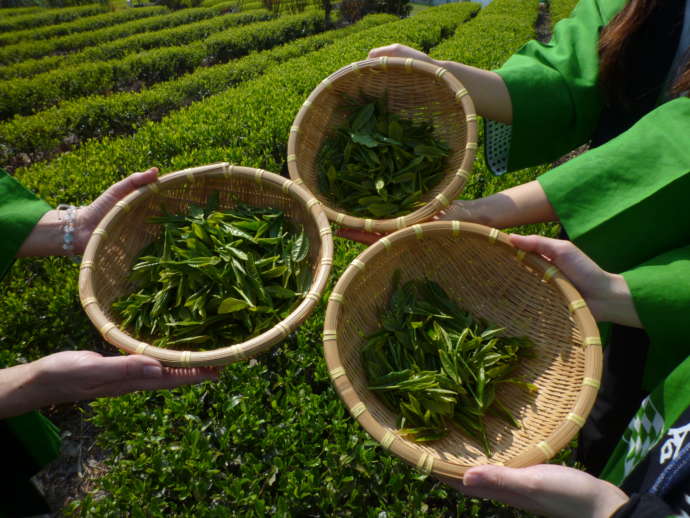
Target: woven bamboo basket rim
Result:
[[223, 355], [540, 450], [460, 176]]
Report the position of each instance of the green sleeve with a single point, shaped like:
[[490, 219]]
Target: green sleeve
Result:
[[625, 202], [660, 289], [20, 210], [34, 439], [553, 87]]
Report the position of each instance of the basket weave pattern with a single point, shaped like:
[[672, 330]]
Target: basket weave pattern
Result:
[[124, 232], [480, 270], [414, 90]]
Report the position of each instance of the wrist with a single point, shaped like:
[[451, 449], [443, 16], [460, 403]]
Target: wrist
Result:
[[617, 305], [472, 211], [58, 232], [608, 500]]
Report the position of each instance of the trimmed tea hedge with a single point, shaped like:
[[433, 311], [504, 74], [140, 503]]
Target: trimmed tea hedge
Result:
[[23, 96], [488, 40], [83, 24], [561, 9], [9, 12], [174, 36], [251, 121], [96, 116], [49, 17], [140, 35]]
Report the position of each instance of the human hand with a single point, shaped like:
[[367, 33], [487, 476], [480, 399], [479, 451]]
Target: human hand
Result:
[[47, 236], [76, 375], [397, 50], [88, 217], [607, 295], [546, 489]]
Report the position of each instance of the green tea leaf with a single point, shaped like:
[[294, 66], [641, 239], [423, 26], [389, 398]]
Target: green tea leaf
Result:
[[230, 305], [435, 364]]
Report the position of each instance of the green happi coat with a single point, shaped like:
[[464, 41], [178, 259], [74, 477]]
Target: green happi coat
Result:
[[657, 414], [32, 440], [624, 203]]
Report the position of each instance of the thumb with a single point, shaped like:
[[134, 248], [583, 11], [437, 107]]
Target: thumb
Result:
[[122, 188], [537, 244], [135, 366], [493, 477]]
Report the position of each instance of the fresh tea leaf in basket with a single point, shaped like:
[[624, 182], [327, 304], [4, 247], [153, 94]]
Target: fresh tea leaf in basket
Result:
[[378, 164], [436, 364], [216, 276]]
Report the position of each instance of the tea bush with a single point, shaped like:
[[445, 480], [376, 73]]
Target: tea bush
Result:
[[100, 115], [22, 96], [66, 47], [89, 23], [48, 17]]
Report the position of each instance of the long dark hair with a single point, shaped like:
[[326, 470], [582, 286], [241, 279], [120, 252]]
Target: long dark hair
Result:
[[615, 53]]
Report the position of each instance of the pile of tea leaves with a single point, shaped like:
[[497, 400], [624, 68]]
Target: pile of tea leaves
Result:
[[435, 364], [216, 276], [379, 165]]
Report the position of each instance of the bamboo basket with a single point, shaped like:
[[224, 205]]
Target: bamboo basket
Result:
[[415, 90], [124, 231], [486, 275]]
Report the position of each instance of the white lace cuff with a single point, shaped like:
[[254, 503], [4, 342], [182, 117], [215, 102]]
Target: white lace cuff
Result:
[[497, 144]]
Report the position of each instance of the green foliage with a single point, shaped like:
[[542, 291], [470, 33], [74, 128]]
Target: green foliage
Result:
[[48, 17], [247, 125], [170, 36], [84, 24], [40, 311], [66, 47], [9, 9], [493, 35], [560, 9], [146, 68], [179, 4], [96, 116], [352, 10]]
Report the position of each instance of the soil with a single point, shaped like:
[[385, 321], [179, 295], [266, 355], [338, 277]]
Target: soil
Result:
[[81, 461], [543, 25]]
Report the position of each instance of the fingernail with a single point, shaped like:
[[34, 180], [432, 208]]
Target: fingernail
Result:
[[152, 371], [473, 479]]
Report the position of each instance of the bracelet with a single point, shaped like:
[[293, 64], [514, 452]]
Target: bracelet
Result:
[[68, 224]]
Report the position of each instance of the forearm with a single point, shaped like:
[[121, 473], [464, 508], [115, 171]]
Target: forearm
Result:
[[487, 89], [17, 395], [520, 205], [45, 239]]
